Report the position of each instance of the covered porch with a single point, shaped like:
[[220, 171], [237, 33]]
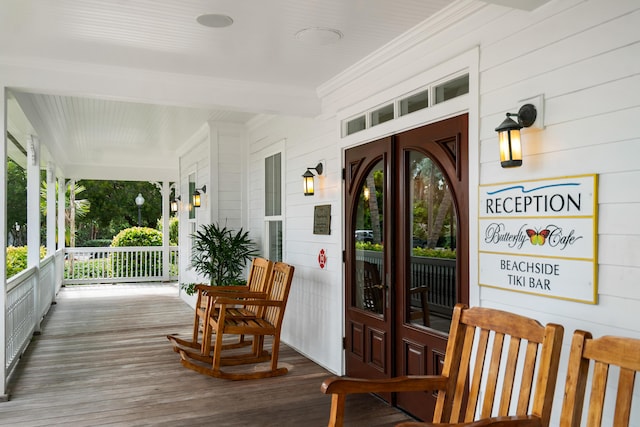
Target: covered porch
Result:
[[102, 358]]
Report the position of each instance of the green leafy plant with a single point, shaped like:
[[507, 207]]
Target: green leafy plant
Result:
[[188, 288], [221, 254]]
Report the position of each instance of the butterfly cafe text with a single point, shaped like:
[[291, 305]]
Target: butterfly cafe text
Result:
[[540, 237]]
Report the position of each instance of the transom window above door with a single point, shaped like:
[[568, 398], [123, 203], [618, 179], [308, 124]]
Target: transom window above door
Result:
[[424, 97]]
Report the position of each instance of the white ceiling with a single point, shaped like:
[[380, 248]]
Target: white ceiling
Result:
[[260, 49]]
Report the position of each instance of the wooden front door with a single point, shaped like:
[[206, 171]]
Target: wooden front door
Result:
[[406, 253]]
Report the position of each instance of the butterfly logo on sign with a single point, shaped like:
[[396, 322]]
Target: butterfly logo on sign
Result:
[[538, 237]]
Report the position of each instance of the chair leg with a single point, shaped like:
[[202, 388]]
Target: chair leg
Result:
[[336, 417], [196, 325]]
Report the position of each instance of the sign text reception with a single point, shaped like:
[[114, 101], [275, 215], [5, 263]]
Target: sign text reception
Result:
[[540, 237]]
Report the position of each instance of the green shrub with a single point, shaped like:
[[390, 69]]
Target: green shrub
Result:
[[92, 268], [366, 246], [425, 252], [136, 236], [434, 253], [17, 259], [173, 230]]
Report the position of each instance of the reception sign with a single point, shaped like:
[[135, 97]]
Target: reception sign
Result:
[[540, 237]]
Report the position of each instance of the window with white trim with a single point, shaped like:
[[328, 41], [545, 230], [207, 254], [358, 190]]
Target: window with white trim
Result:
[[273, 217]]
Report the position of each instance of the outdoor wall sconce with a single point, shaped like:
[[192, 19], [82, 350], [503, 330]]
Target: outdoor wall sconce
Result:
[[509, 135], [307, 178], [174, 204], [196, 196]]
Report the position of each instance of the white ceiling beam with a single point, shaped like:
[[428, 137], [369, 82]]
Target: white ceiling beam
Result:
[[137, 85]]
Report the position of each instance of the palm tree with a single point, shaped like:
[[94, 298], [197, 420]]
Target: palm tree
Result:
[[79, 208]]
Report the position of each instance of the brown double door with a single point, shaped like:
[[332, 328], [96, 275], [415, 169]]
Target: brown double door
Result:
[[406, 254]]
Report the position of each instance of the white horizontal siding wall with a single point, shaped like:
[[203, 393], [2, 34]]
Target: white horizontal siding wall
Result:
[[582, 56], [215, 155], [313, 320], [227, 176], [585, 58]]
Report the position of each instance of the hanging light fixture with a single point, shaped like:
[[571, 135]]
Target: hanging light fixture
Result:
[[509, 135], [308, 177], [174, 204], [196, 200]]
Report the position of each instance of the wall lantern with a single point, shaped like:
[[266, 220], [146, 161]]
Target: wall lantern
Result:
[[308, 179], [196, 196], [509, 135], [174, 204]]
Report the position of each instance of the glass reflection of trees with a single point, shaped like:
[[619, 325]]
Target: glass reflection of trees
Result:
[[371, 200], [433, 221], [368, 290], [431, 285]]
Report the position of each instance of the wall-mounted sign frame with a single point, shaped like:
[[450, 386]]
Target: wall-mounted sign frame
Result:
[[540, 237], [322, 219]]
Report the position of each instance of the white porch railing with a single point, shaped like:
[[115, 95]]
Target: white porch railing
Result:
[[125, 264], [29, 296]]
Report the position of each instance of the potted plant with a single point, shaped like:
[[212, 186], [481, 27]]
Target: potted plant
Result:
[[221, 254]]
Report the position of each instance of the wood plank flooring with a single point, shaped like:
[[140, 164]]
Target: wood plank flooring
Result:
[[103, 360]]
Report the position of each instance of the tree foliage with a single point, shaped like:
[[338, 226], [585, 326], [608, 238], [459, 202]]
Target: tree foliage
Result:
[[114, 202], [16, 201]]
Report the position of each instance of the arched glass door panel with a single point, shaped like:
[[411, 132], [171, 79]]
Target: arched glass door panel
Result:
[[370, 293], [431, 283]]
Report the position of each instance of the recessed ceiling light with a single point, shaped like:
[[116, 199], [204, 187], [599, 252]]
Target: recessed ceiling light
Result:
[[214, 20], [318, 36]]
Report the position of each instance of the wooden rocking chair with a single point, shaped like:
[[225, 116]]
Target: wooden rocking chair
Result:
[[497, 335], [267, 322], [604, 352], [259, 276]]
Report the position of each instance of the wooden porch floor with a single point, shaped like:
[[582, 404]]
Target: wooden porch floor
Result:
[[103, 359]]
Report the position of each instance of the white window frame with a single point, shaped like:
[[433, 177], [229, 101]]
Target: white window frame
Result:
[[277, 148]]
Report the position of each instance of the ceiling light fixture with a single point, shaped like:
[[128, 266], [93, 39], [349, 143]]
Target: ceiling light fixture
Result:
[[214, 20], [317, 36]]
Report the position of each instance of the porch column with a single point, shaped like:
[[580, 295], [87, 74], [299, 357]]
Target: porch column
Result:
[[33, 217], [3, 245], [33, 201], [51, 209], [165, 191], [62, 200]]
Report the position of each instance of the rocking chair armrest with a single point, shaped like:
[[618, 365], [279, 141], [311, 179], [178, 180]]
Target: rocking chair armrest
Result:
[[202, 287], [240, 295], [222, 300], [347, 385], [506, 421], [214, 290]]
